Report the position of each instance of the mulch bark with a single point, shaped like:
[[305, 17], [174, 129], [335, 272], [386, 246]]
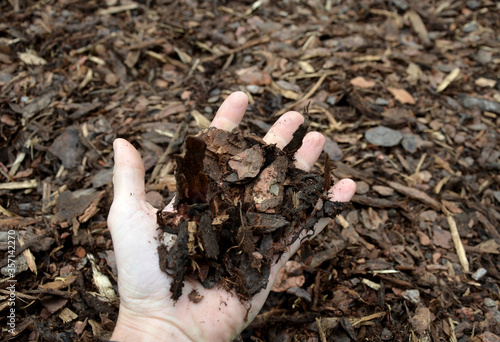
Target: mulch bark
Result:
[[407, 94]]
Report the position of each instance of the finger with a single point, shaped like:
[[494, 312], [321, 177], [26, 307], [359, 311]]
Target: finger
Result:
[[309, 152], [342, 191], [282, 131], [231, 111], [128, 174]]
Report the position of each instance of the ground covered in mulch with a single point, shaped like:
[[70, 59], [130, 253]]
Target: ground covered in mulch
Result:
[[406, 92]]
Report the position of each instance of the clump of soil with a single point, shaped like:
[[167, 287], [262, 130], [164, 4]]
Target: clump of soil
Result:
[[239, 203]]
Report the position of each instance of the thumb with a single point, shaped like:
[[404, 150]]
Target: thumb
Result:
[[128, 174]]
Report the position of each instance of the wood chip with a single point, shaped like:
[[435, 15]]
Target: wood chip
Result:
[[371, 284], [419, 27], [30, 258], [59, 283], [53, 303], [485, 82], [361, 82], [402, 95], [67, 315], [30, 58], [201, 120], [452, 76]]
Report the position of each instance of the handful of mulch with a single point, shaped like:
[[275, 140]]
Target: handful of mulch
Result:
[[240, 203]]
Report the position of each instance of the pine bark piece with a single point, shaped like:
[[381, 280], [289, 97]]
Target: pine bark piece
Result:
[[208, 237], [191, 179], [266, 223], [268, 190], [178, 257], [248, 163]]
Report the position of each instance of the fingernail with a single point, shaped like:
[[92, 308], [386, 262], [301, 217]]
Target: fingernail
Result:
[[223, 123], [301, 163]]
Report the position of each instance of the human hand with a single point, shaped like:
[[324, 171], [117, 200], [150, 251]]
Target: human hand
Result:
[[147, 312]]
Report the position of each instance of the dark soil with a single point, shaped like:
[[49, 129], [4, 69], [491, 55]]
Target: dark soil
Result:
[[407, 94], [240, 203]]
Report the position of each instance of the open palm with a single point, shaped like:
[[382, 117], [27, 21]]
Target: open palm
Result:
[[147, 312]]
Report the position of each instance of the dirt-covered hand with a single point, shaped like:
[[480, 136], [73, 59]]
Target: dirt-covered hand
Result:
[[147, 311]]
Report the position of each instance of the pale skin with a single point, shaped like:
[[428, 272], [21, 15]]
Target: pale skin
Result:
[[147, 312]]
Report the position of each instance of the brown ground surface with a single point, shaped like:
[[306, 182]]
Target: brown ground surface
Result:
[[406, 92]]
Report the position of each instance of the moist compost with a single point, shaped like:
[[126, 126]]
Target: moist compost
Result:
[[240, 203]]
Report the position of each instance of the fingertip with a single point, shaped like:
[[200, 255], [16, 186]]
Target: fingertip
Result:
[[309, 152], [240, 95], [305, 234], [126, 155], [231, 111], [295, 116], [343, 190], [116, 143], [281, 133], [119, 144], [128, 174]]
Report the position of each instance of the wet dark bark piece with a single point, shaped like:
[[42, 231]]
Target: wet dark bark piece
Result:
[[256, 278], [212, 277], [244, 237], [192, 181], [177, 260], [334, 208], [208, 237], [266, 223], [239, 200]]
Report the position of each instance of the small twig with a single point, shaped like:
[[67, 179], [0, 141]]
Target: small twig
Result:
[[28, 184], [420, 163], [17, 7], [453, 337], [305, 97], [19, 294], [415, 194], [5, 212], [54, 292], [371, 317], [118, 9], [245, 46], [322, 334], [15, 166], [458, 243]]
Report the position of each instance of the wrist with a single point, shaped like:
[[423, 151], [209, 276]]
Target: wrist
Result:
[[130, 327]]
